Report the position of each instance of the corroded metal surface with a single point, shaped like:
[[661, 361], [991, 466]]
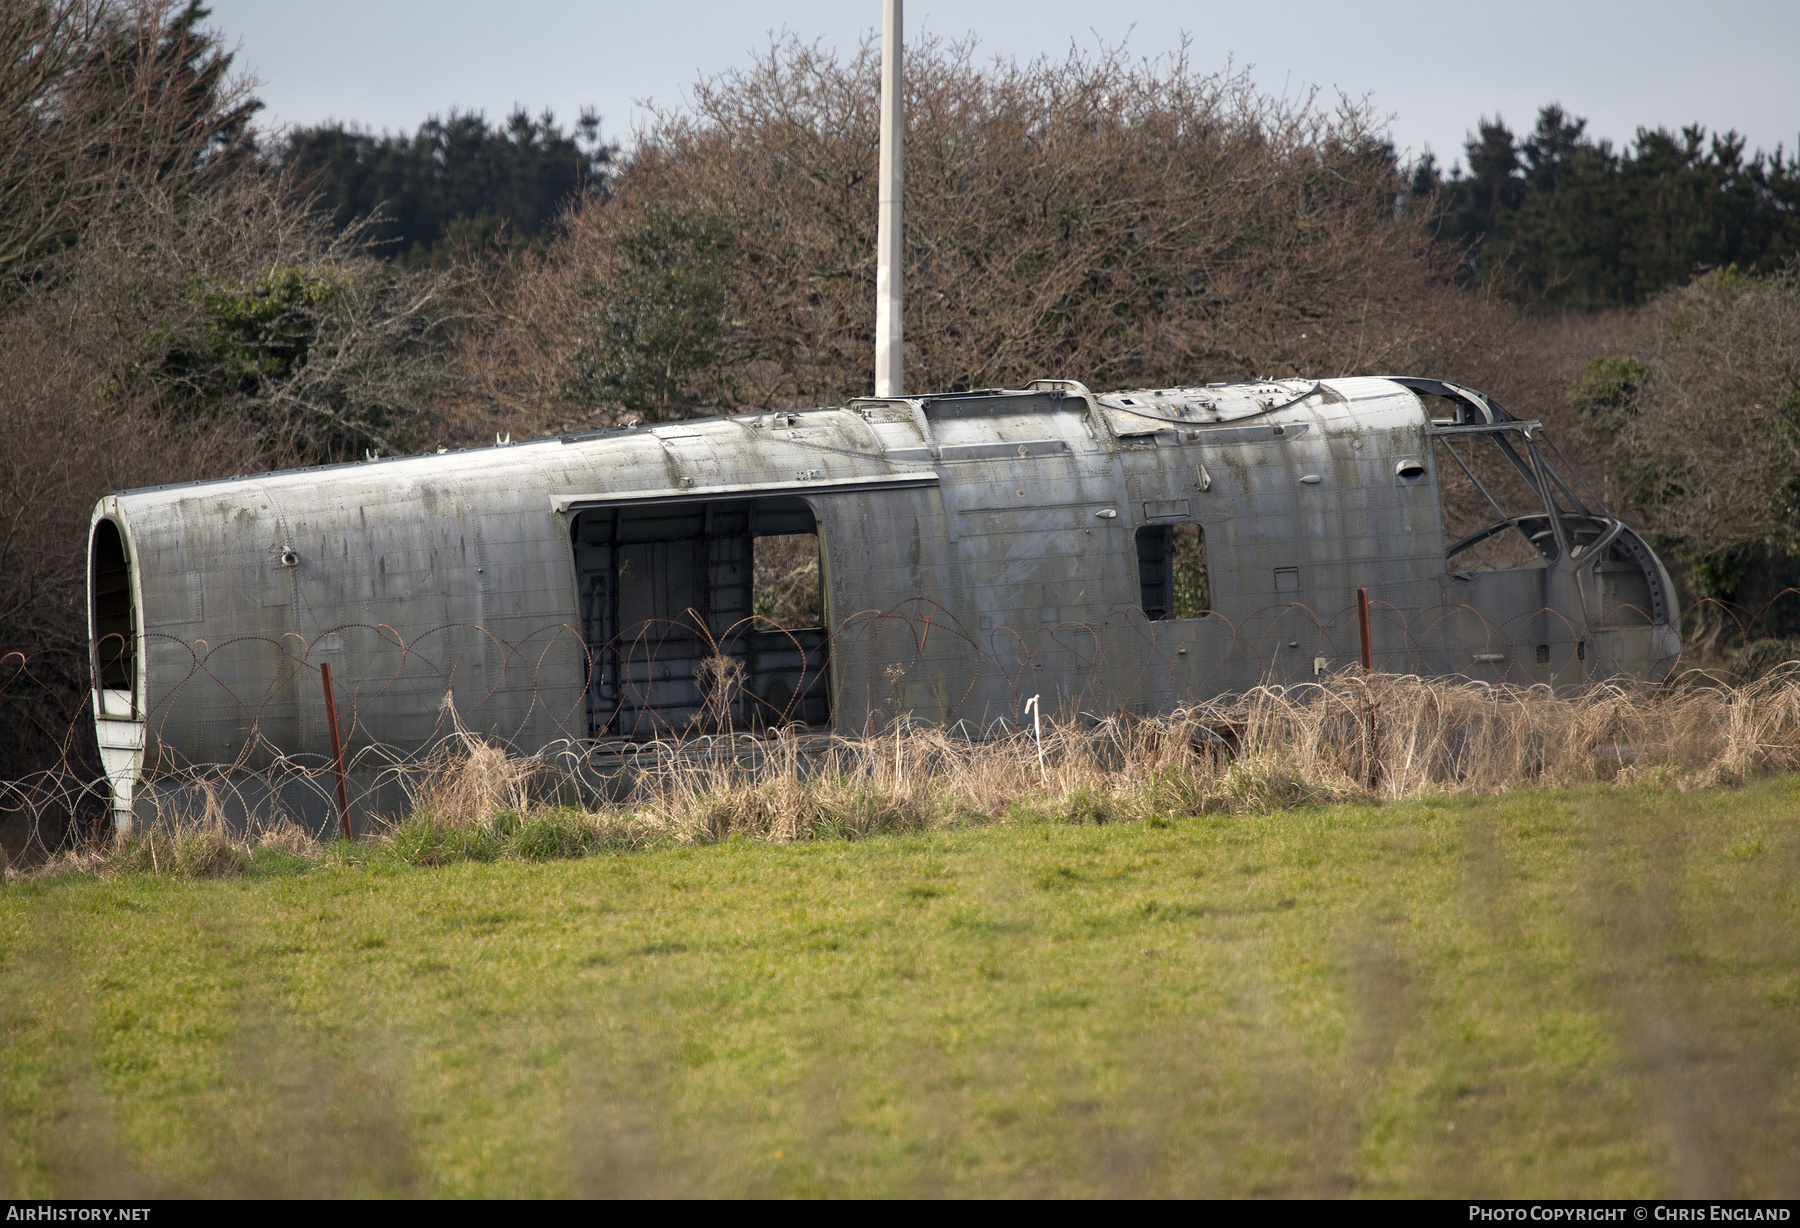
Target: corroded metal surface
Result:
[[957, 531]]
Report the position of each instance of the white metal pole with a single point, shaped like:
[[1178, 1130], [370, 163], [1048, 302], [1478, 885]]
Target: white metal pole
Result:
[[1037, 734], [889, 330]]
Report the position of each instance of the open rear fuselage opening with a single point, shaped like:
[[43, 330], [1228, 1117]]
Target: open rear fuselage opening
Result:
[[700, 617], [113, 620], [114, 628]]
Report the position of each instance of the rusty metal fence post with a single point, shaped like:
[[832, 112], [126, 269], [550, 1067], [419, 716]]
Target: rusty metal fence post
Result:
[[1368, 664], [337, 754], [1362, 622]]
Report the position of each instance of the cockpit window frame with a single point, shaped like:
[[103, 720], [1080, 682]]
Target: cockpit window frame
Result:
[[1588, 518]]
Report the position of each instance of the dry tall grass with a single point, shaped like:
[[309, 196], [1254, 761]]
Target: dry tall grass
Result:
[[1349, 738]]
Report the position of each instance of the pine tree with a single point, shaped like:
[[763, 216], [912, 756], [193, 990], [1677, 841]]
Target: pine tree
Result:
[[456, 180], [1561, 218]]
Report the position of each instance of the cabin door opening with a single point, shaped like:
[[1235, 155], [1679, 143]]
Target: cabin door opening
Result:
[[702, 617]]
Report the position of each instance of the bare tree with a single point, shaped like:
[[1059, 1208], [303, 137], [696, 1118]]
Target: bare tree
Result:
[[242, 304], [1708, 444], [99, 100], [1699, 426], [1115, 220]]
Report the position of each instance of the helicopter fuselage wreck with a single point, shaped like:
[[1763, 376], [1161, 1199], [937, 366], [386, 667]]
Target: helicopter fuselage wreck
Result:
[[975, 549]]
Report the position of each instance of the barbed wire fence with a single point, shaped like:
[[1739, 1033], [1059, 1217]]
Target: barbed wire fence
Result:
[[1033, 708]]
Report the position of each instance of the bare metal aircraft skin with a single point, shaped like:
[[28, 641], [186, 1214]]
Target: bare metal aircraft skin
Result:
[[976, 549]]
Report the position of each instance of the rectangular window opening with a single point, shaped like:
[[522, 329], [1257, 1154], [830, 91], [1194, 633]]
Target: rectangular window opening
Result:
[[787, 595], [1172, 580]]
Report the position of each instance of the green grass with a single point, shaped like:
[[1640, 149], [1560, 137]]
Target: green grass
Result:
[[1587, 993]]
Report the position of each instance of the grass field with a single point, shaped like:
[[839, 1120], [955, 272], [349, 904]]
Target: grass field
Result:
[[1592, 992]]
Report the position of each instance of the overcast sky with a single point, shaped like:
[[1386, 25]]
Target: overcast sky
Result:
[[1435, 66]]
